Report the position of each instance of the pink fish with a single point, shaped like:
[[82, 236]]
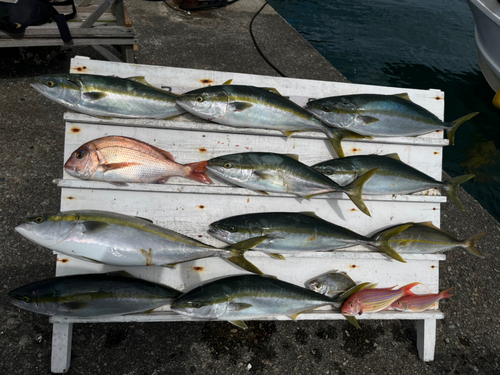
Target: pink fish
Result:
[[419, 303], [374, 300], [120, 160]]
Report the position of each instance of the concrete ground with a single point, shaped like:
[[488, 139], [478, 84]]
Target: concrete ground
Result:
[[31, 145]]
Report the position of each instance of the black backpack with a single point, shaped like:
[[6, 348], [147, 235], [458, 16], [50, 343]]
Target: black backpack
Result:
[[16, 17]]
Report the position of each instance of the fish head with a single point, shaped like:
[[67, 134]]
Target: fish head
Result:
[[234, 229], [335, 111], [401, 305], [199, 304], [83, 162], [231, 168], [352, 306], [61, 88], [317, 286], [48, 230], [208, 103], [35, 298]]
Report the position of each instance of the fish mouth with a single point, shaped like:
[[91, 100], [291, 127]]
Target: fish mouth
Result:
[[185, 103], [24, 228], [181, 310], [217, 233], [41, 88]]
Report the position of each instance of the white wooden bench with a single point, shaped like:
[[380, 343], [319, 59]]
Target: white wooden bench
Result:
[[188, 207], [95, 25]]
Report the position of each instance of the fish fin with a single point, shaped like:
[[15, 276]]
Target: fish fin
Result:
[[404, 243], [72, 306], [372, 286], [239, 323], [237, 251], [121, 273], [273, 90], [263, 175], [94, 226], [148, 311], [288, 133], [310, 213], [453, 126], [238, 306], [95, 95], [388, 250], [383, 243], [406, 289], [117, 183], [239, 106], [337, 135], [112, 166], [293, 156], [367, 120], [355, 190], [163, 180], [445, 294], [105, 117], [140, 79], [198, 172], [143, 218], [89, 259], [429, 224], [228, 82], [450, 187], [276, 256], [262, 192], [469, 244], [167, 154], [403, 95], [394, 156], [170, 265], [353, 321], [342, 297], [294, 316]]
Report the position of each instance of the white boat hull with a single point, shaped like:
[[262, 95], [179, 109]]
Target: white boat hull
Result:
[[487, 18]]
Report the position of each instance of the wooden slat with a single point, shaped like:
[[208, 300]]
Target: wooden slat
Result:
[[59, 42], [105, 5], [53, 32]]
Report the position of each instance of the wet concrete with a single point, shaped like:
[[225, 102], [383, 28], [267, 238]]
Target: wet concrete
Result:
[[31, 157]]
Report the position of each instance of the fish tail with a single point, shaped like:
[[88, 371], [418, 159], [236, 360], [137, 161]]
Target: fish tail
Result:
[[355, 190], [450, 187], [198, 172], [336, 136], [455, 124], [469, 244], [445, 293], [383, 245], [238, 250]]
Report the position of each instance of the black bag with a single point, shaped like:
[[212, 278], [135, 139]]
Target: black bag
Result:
[[16, 17]]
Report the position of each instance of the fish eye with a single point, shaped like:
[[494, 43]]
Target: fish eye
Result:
[[351, 304], [197, 304], [26, 299], [231, 229], [39, 220], [50, 83], [228, 165], [80, 154], [328, 172], [326, 109], [199, 99]]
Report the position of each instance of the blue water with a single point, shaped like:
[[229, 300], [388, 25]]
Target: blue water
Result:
[[419, 44]]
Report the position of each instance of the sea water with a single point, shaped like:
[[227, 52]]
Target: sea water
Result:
[[420, 44]]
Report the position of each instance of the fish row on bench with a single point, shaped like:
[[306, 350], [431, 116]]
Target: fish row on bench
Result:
[[348, 116], [233, 299], [122, 160]]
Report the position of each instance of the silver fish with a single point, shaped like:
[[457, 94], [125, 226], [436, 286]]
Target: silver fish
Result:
[[381, 115], [121, 240], [92, 296], [331, 284], [107, 96]]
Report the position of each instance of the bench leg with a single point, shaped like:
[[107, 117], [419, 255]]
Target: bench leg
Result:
[[426, 339], [128, 54], [61, 347]]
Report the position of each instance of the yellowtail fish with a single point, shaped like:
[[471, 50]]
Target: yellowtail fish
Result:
[[107, 96], [419, 303], [255, 107], [381, 115], [92, 296], [425, 238], [374, 300], [120, 160]]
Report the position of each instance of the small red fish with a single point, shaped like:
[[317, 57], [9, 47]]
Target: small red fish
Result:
[[419, 303], [374, 300], [120, 160]]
